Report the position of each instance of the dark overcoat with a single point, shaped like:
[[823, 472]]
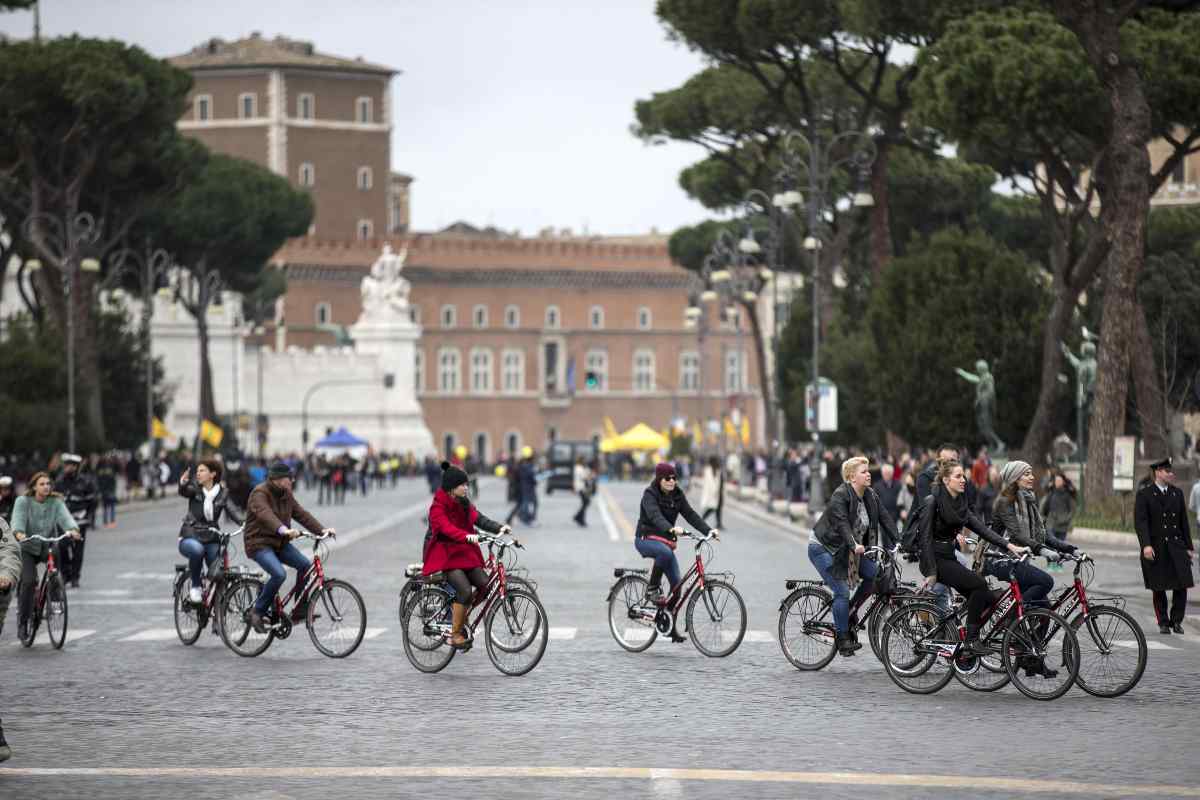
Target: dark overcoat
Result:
[[1161, 521]]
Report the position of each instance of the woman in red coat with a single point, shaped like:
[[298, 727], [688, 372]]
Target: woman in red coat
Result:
[[453, 545]]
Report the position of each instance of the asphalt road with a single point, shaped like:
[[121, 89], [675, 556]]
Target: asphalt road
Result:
[[125, 710]]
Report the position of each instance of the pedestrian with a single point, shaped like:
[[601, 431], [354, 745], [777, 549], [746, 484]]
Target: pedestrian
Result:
[[8, 497], [133, 478], [888, 490], [1058, 509], [81, 498], [527, 481], [711, 486], [106, 484], [1162, 528], [433, 474], [985, 500], [583, 483], [1193, 502]]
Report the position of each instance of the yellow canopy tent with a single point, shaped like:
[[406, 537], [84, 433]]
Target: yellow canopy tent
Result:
[[639, 437]]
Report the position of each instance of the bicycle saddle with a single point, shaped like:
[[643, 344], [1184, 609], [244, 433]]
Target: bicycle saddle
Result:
[[414, 570]]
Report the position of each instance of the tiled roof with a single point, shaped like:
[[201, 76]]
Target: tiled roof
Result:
[[255, 51]]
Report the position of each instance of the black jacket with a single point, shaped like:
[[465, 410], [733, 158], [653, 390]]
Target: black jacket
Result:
[[195, 525], [1161, 521], [659, 512], [835, 529], [941, 524], [926, 479], [889, 496]]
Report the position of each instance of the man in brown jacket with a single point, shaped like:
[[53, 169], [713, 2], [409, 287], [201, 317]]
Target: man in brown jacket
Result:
[[269, 534]]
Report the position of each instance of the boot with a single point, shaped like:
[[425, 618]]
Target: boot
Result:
[[457, 618], [972, 646]]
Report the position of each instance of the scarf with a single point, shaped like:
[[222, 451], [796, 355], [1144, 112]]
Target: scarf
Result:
[[210, 495]]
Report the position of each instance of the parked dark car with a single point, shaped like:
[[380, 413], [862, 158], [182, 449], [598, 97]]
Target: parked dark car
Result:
[[561, 463]]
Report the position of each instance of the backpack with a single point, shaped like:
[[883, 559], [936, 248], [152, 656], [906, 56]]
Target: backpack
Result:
[[910, 539]]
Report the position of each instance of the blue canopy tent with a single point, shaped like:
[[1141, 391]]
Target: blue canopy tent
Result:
[[342, 441]]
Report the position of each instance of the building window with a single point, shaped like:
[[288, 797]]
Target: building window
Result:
[[596, 317], [643, 318], [308, 174], [449, 440], [595, 378], [448, 370], [479, 316], [363, 110], [203, 107], [643, 371], [512, 369], [735, 371], [512, 443], [366, 229], [365, 179], [481, 370], [550, 383], [552, 318], [481, 449], [324, 313], [306, 106], [418, 370], [449, 316], [512, 317], [247, 105], [689, 371]]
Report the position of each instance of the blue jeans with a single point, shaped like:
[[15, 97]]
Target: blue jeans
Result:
[[198, 554], [822, 559], [664, 558], [1035, 583], [273, 564]]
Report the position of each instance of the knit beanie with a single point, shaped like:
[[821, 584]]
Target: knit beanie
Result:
[[279, 470], [663, 470], [1011, 472], [452, 476]]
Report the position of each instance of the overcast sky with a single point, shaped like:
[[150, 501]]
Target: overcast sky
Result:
[[515, 114]]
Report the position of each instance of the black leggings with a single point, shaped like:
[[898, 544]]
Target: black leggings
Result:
[[969, 585], [462, 581]]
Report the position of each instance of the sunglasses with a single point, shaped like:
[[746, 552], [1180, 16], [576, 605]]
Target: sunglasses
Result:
[[669, 478]]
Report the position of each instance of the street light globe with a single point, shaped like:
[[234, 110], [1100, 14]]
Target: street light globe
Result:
[[766, 274], [33, 265], [749, 296], [789, 199], [812, 243], [720, 276], [749, 246], [692, 312], [864, 199], [708, 295], [89, 265]]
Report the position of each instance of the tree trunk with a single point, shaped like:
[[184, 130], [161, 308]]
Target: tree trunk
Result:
[[207, 407], [1147, 387], [1058, 323], [881, 223], [94, 433], [766, 386]]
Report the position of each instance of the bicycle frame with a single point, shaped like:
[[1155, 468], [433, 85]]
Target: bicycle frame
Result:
[[39, 601], [683, 590], [1073, 597], [314, 579]]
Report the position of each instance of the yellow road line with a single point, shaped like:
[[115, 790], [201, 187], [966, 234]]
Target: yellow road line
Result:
[[977, 783], [617, 514]]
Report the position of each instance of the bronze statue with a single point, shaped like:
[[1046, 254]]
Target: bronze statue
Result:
[[985, 404], [1085, 385]]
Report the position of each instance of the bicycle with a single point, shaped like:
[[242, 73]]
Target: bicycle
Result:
[[414, 581], [191, 618], [635, 622], [49, 601], [1111, 633], [332, 610], [806, 629], [921, 641], [514, 621]]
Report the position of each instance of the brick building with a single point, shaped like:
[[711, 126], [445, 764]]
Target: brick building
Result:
[[513, 329], [322, 121]]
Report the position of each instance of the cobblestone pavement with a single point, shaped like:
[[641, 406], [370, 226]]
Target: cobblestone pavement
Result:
[[124, 710]]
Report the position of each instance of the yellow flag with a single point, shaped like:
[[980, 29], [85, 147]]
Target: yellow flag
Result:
[[159, 429], [729, 429], [211, 433], [697, 434], [745, 430]]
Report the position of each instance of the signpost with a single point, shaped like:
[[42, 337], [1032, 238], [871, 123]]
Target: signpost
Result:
[[829, 406], [1124, 456]]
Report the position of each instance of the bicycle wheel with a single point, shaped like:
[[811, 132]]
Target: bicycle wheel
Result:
[[236, 631], [406, 595], [983, 673], [421, 622], [1041, 638], [337, 619], [187, 617], [628, 627], [56, 611], [517, 631], [882, 609], [720, 625], [1112, 651], [806, 628], [916, 641]]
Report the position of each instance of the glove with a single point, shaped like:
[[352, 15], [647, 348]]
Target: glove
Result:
[[505, 530], [1050, 555], [473, 538]]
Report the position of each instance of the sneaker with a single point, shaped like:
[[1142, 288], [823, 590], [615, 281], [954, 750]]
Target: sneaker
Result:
[[1164, 629], [194, 596], [23, 630], [257, 622], [1177, 627]]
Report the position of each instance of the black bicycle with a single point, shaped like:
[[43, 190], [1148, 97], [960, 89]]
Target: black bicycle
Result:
[[191, 618]]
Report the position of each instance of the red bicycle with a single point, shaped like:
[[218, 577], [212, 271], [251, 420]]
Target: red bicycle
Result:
[[50, 600], [716, 631], [514, 621], [191, 618], [332, 609]]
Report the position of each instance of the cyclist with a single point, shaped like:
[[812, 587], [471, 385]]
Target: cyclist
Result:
[[851, 523], [40, 512], [10, 570], [657, 534], [80, 493], [269, 534], [207, 500], [453, 546], [940, 529]]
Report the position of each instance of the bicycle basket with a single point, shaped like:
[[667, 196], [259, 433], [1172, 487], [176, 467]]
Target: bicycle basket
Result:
[[1113, 601]]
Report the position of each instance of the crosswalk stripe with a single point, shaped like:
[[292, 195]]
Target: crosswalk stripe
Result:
[[760, 637], [43, 637], [371, 633], [145, 601], [1150, 644], [146, 576], [151, 635], [559, 634], [636, 634]]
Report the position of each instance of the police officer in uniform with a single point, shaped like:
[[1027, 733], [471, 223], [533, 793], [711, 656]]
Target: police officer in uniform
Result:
[[1161, 520]]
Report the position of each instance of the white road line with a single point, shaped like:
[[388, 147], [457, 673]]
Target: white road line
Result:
[[760, 637], [164, 601], [563, 634], [146, 576], [1150, 644], [966, 783], [350, 537], [101, 592], [636, 634], [152, 635], [606, 518], [43, 636], [371, 633]]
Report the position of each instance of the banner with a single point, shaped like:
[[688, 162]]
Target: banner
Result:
[[160, 430], [746, 431], [211, 433]]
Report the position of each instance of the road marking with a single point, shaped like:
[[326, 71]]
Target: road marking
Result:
[[1150, 644], [559, 634], [358, 534], [151, 635], [971, 783], [146, 576], [371, 633], [760, 637], [636, 634], [622, 521], [167, 601], [606, 517], [101, 592], [43, 636]]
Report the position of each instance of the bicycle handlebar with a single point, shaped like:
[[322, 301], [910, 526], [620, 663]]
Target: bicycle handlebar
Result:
[[500, 539], [219, 532], [51, 540], [315, 536]]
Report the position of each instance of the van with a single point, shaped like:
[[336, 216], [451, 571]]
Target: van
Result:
[[561, 463]]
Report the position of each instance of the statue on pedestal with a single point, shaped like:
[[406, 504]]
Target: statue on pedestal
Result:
[[985, 404], [384, 291], [1085, 386]]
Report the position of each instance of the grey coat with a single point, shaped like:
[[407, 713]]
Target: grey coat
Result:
[[10, 554], [1022, 523]]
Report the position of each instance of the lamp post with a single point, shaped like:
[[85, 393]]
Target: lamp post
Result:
[[67, 241]]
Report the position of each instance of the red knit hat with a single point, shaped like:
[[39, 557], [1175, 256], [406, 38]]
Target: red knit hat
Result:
[[664, 470]]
